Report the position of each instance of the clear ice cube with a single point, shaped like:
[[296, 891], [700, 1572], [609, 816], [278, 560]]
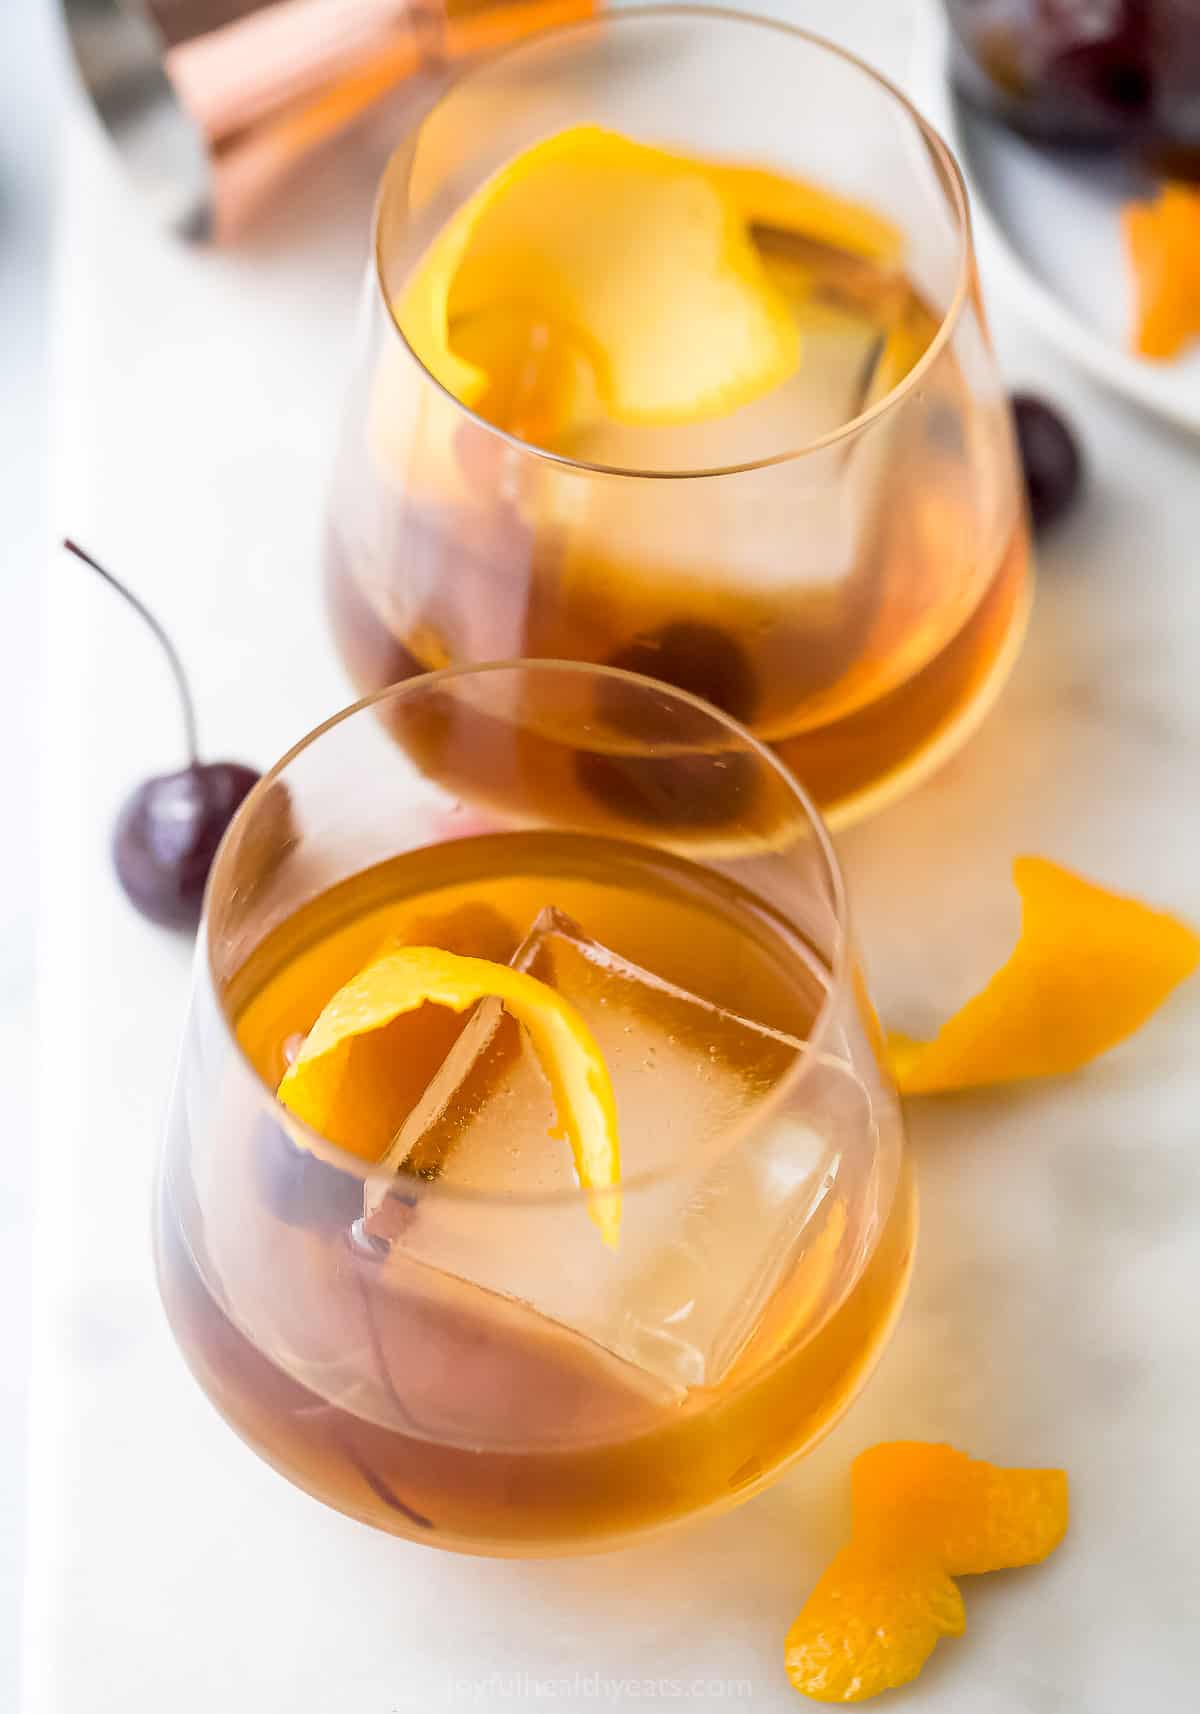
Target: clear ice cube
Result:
[[717, 1214]]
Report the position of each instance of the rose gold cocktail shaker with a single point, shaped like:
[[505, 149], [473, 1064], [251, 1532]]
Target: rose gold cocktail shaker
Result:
[[213, 103]]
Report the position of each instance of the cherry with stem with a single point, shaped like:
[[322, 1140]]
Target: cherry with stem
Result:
[[168, 830]]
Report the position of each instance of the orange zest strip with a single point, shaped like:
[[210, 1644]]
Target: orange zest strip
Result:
[[1163, 241], [410, 977], [922, 1515], [1089, 968], [630, 254]]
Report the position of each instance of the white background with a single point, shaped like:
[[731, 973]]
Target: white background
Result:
[[30, 92], [1050, 1319]]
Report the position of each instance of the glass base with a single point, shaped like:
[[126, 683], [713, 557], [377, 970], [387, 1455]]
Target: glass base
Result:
[[721, 1452]]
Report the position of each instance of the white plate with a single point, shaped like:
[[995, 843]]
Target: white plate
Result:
[[1049, 235]]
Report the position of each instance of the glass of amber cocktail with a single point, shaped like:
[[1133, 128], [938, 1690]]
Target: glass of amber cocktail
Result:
[[420, 1315], [839, 561]]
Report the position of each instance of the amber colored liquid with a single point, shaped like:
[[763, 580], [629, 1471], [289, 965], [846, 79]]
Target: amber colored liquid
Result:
[[858, 611], [522, 1437]]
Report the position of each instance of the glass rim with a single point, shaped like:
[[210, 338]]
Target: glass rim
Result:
[[812, 1054], [933, 139]]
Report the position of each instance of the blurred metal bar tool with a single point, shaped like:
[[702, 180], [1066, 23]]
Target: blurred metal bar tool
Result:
[[213, 103]]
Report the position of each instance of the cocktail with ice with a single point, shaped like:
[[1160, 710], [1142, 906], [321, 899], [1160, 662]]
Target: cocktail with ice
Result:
[[532, 1181], [673, 360]]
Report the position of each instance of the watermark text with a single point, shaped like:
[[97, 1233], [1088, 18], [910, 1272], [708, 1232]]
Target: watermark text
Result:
[[597, 1687]]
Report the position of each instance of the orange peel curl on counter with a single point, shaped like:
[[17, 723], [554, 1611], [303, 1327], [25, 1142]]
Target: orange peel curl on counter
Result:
[[1089, 968], [922, 1515]]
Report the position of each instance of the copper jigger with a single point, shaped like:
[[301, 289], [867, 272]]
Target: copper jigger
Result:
[[213, 103]]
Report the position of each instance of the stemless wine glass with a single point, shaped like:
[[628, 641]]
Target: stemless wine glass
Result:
[[844, 564], [430, 1334]]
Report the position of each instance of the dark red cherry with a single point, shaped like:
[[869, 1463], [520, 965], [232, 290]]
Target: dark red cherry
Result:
[[1110, 75], [704, 789], [167, 833], [1049, 457], [696, 657], [674, 786], [1068, 71], [298, 1188]]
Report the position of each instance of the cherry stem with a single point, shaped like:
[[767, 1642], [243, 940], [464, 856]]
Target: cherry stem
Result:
[[185, 695]]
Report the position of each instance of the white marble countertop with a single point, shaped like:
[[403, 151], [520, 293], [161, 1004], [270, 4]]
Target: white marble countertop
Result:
[[1051, 1317], [29, 94]]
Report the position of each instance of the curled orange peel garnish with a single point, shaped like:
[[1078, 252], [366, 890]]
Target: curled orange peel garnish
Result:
[[636, 258], [1089, 968], [410, 977], [921, 1516], [783, 204]]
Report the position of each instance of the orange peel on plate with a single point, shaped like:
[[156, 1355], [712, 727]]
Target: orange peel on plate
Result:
[[921, 1516], [1090, 967], [1163, 241], [324, 1088]]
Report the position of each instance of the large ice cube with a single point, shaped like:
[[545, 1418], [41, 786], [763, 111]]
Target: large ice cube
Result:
[[717, 1213]]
